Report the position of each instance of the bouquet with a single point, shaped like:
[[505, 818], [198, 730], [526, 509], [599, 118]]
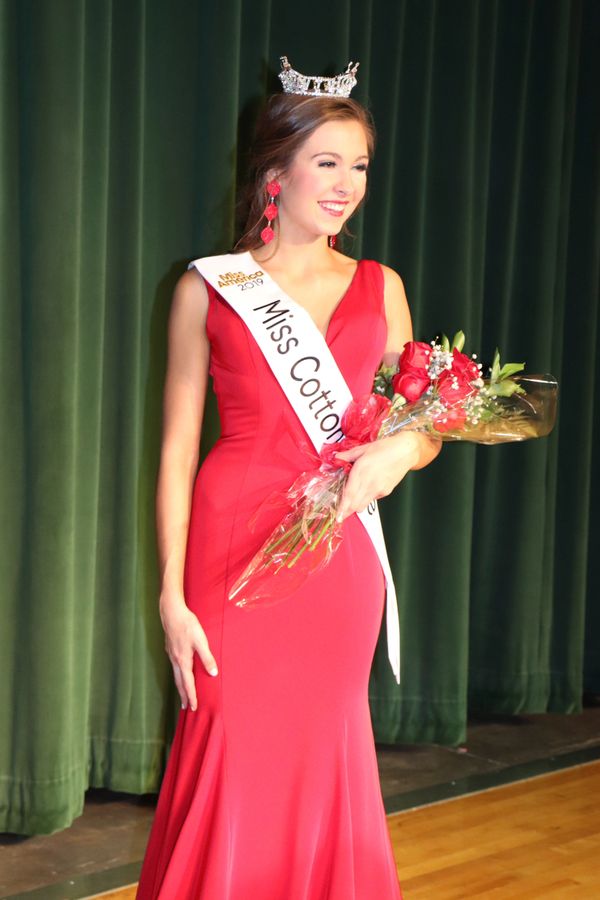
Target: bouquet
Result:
[[436, 389]]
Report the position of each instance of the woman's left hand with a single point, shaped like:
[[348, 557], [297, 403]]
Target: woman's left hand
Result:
[[377, 468]]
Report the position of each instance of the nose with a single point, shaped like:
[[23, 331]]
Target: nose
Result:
[[344, 185]]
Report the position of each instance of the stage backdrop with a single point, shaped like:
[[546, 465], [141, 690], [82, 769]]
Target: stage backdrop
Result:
[[122, 136]]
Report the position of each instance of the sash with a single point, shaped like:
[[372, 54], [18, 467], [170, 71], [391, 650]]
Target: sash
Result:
[[298, 355]]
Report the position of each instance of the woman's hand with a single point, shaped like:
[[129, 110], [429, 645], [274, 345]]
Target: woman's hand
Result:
[[380, 465], [184, 635]]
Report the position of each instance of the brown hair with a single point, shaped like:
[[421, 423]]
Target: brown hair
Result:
[[285, 123]]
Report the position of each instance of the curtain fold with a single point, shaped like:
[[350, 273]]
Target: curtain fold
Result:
[[123, 131]]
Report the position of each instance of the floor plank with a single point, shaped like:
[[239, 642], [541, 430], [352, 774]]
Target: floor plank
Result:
[[537, 838], [125, 893]]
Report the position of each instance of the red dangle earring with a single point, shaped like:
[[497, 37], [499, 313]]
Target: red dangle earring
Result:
[[271, 211], [332, 241]]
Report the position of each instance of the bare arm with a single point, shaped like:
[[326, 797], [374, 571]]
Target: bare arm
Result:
[[381, 465], [183, 409]]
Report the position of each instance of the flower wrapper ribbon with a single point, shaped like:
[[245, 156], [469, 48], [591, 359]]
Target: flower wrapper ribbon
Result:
[[437, 390]]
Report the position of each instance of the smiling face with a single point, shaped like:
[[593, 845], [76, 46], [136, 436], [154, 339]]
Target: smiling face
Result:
[[325, 182]]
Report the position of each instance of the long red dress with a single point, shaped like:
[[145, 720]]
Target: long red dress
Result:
[[271, 790]]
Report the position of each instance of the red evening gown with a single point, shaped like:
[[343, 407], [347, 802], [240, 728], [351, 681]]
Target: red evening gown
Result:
[[271, 790]]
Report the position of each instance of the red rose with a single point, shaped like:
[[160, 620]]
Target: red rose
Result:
[[456, 384], [411, 383], [364, 416], [412, 379], [463, 366], [415, 354], [453, 388], [451, 420]]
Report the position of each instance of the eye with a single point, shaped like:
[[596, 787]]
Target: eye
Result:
[[361, 167], [326, 163]]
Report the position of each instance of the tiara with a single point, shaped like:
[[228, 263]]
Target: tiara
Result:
[[317, 85]]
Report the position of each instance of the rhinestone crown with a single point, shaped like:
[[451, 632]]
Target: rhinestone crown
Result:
[[317, 85]]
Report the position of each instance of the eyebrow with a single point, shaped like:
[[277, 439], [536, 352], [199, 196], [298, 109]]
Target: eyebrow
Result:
[[337, 155]]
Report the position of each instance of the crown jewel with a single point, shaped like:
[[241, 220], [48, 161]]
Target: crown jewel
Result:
[[317, 85]]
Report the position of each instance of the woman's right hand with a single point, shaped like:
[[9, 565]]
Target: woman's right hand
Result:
[[183, 636]]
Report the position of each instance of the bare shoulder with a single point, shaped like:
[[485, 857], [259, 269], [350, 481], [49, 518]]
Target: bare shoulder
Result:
[[397, 312], [190, 300], [191, 287], [393, 284]]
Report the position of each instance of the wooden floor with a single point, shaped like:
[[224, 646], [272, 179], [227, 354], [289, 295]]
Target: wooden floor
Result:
[[125, 893], [534, 839]]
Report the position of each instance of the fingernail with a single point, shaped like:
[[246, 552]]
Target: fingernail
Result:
[[213, 671], [183, 705]]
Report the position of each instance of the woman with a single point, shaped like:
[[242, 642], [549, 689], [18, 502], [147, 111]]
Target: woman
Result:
[[272, 788]]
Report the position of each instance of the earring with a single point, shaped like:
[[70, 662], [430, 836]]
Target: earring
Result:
[[332, 241], [271, 211]]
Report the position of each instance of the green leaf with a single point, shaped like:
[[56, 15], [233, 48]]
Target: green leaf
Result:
[[509, 369], [445, 343], [383, 380], [505, 388], [458, 341], [386, 371], [495, 366]]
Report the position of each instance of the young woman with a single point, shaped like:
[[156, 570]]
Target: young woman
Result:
[[271, 790]]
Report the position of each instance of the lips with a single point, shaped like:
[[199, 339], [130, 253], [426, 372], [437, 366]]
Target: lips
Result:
[[333, 207]]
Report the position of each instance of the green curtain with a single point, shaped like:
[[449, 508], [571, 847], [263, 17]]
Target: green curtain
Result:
[[122, 136]]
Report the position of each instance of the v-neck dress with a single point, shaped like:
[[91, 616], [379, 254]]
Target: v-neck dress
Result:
[[271, 789]]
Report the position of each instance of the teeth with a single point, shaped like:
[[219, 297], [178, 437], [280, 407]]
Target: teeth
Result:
[[335, 207]]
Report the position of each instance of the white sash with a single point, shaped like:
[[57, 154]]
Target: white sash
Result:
[[298, 355]]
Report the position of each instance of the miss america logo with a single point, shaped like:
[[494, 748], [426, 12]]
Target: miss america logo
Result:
[[242, 279]]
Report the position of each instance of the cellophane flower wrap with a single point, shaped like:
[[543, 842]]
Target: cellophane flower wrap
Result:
[[436, 389]]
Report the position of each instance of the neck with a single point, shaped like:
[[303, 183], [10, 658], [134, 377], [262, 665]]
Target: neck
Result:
[[295, 258]]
